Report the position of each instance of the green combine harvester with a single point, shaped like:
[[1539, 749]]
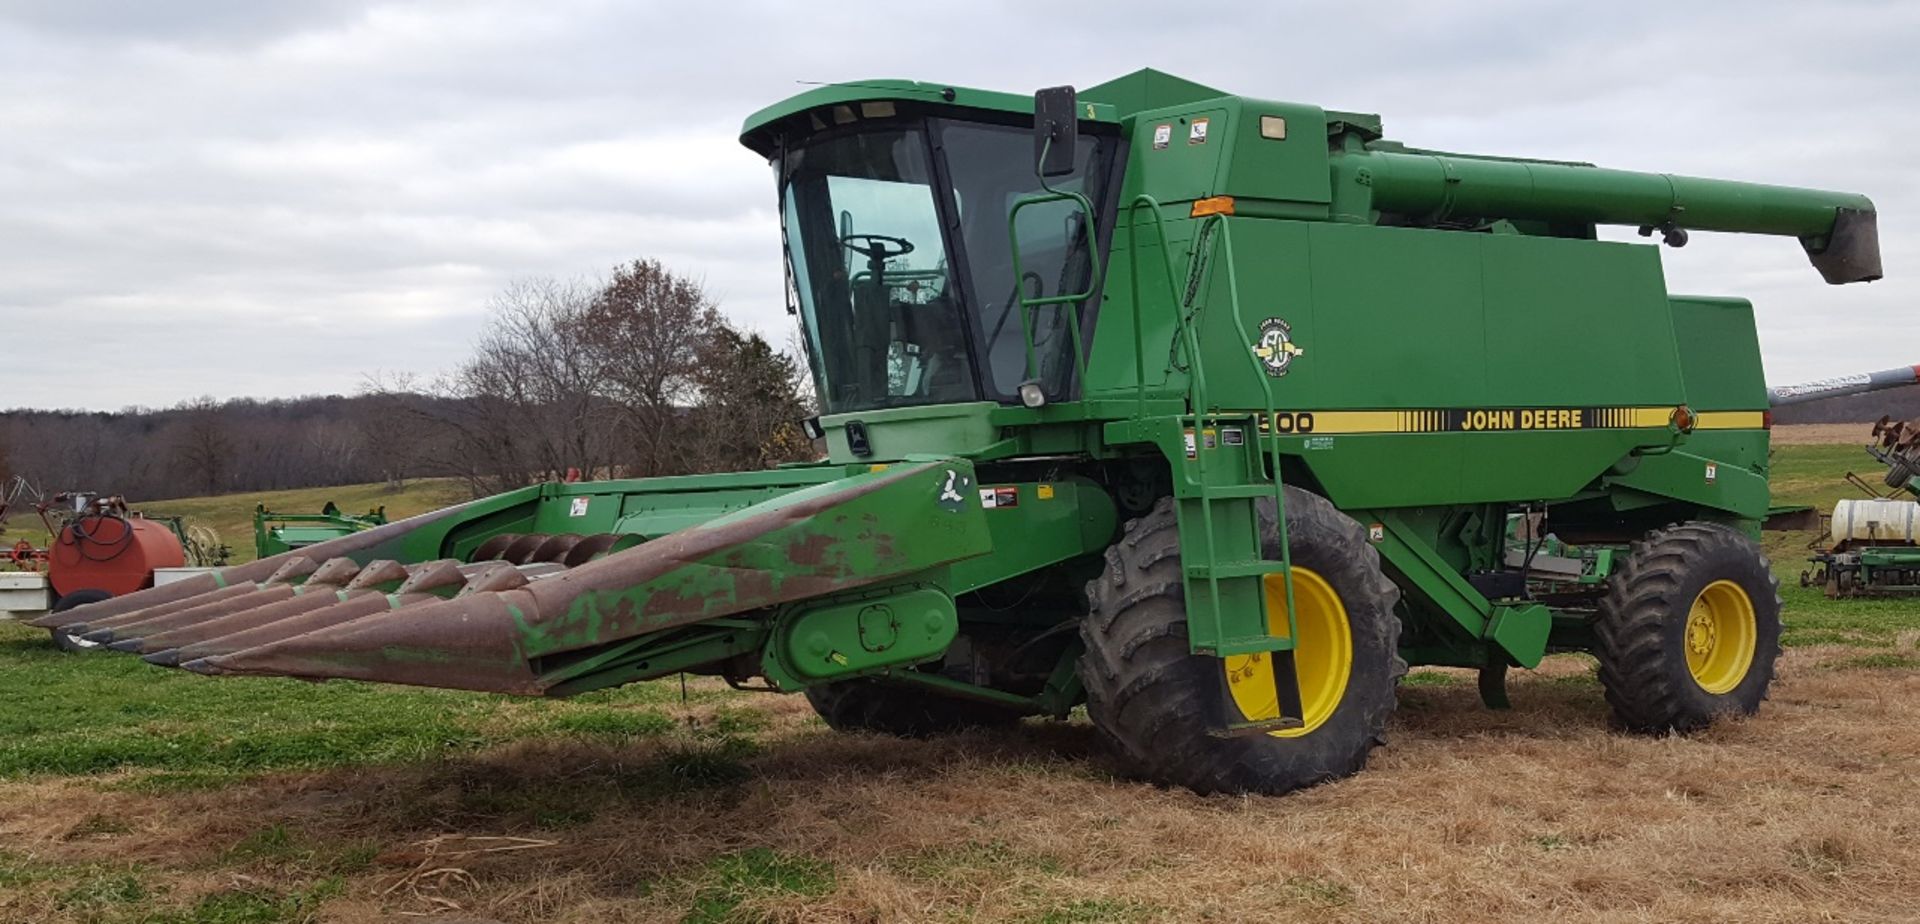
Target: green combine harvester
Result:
[[1209, 413]]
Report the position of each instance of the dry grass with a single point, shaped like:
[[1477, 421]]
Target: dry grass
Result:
[[1809, 812], [1852, 434], [1806, 813]]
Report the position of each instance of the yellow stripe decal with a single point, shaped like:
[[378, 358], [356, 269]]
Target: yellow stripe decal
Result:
[[1475, 420], [1730, 420]]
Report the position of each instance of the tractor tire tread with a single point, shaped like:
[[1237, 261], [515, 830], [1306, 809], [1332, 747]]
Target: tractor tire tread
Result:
[[1898, 474], [1147, 692], [1642, 671]]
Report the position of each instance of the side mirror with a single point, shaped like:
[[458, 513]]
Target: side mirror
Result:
[[1056, 131]]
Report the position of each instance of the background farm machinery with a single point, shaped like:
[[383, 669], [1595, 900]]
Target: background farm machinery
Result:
[[274, 533], [22, 554], [1211, 413], [1871, 545], [97, 547]]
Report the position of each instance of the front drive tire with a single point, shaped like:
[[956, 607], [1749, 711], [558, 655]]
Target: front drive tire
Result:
[[1150, 697], [1689, 629]]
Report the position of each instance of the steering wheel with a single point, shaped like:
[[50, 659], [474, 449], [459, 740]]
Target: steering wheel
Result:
[[876, 249]]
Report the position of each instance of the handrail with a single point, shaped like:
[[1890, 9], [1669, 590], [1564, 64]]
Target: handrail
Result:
[[1272, 441], [1093, 280], [1173, 294], [1196, 375]]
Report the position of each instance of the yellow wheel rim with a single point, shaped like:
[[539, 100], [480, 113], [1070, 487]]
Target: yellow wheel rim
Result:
[[1720, 636], [1322, 656]]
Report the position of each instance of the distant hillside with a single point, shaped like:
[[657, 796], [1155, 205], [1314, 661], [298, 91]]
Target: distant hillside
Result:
[[209, 447], [1902, 403]]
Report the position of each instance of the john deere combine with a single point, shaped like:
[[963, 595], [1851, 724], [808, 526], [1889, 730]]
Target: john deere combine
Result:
[[1208, 412]]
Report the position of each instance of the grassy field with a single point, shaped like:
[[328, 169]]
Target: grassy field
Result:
[[135, 795], [23, 523], [231, 515]]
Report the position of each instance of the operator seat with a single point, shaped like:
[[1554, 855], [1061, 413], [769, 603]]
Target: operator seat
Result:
[[943, 350]]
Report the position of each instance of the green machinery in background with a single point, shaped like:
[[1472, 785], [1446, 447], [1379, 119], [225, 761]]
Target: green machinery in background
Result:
[[1871, 545], [1208, 412], [274, 533]]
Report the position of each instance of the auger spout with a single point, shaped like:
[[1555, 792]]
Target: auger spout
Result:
[[1856, 384], [1838, 231]]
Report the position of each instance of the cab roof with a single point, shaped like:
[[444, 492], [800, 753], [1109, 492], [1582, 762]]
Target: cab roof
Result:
[[1107, 102]]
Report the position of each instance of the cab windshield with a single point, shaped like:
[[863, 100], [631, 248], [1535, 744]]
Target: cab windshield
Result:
[[906, 287]]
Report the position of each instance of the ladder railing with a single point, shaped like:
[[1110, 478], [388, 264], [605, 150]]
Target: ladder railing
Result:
[[1196, 392], [1173, 294], [1259, 441], [1271, 441]]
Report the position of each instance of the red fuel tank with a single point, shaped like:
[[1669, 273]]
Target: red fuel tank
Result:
[[116, 554]]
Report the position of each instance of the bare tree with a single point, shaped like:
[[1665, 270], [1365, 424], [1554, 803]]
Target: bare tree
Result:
[[797, 352], [648, 327], [389, 433], [528, 406], [202, 448], [332, 447]]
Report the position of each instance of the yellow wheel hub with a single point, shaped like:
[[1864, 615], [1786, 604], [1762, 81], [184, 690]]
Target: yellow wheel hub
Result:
[[1720, 637], [1322, 655]]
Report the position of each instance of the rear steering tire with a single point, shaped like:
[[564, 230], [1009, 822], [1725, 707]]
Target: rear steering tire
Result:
[[1689, 629], [1150, 697], [70, 643]]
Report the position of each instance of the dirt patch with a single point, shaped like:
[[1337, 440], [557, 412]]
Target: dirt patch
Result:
[[1820, 434], [1804, 813]]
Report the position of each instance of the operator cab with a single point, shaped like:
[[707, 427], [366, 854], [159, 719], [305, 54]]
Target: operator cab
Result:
[[900, 264]]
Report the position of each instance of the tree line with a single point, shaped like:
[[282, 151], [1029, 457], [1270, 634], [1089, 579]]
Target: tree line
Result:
[[634, 375]]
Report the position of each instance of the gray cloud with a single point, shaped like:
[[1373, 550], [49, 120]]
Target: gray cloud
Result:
[[203, 21], [244, 198]]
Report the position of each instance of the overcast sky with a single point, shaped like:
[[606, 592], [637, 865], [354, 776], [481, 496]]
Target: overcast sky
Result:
[[253, 198]]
